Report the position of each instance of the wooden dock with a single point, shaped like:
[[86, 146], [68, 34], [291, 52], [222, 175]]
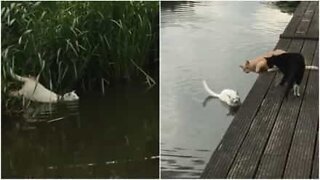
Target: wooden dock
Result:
[[270, 136]]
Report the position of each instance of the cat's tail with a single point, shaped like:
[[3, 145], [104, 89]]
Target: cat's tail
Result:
[[307, 67], [17, 77], [206, 87], [273, 69], [312, 67]]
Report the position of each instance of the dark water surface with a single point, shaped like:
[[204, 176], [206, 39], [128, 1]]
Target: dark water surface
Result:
[[206, 41], [111, 136]]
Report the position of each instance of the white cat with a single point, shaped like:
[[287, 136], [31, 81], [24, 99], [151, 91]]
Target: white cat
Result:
[[228, 96], [34, 91]]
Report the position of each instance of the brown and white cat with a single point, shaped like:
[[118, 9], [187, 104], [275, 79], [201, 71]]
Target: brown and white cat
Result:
[[259, 64], [34, 91]]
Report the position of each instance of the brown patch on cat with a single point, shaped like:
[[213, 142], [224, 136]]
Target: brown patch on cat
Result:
[[259, 64]]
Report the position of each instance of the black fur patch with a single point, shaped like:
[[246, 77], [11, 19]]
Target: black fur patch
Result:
[[292, 66]]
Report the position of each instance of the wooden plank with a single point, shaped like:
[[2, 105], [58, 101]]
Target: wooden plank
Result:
[[303, 37], [306, 19], [315, 168], [273, 161], [314, 27], [224, 154], [240, 151], [248, 156], [299, 164], [247, 159], [296, 19]]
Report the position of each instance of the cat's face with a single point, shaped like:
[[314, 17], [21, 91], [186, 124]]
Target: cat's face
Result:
[[246, 67], [235, 99], [71, 96]]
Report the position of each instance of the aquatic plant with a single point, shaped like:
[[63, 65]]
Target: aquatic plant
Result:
[[85, 44], [287, 6], [79, 44]]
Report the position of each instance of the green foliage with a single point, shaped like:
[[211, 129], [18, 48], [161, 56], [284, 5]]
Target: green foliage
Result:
[[287, 6], [87, 44]]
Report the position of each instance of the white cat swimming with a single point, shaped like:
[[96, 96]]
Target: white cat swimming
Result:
[[228, 96], [34, 91]]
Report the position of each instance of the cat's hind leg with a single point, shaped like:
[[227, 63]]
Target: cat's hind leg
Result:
[[296, 90], [291, 82], [298, 79], [283, 80]]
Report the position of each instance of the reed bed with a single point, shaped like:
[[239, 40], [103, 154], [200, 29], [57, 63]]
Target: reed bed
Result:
[[87, 45]]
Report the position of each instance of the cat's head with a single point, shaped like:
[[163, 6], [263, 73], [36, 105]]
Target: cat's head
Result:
[[70, 96], [235, 99], [246, 67]]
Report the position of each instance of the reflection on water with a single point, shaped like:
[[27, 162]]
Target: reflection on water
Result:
[[206, 41], [181, 162], [111, 136]]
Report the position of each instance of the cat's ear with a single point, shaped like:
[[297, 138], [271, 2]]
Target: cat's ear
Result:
[[247, 62], [241, 66]]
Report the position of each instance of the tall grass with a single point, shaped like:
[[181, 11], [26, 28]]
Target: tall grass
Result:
[[83, 44]]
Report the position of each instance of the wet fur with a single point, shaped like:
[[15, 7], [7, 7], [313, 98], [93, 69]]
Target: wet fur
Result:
[[232, 109], [33, 90], [228, 96], [292, 66]]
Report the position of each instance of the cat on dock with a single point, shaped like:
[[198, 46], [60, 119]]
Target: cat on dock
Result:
[[259, 64], [292, 66]]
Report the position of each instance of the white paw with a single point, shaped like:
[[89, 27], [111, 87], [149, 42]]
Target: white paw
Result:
[[296, 94]]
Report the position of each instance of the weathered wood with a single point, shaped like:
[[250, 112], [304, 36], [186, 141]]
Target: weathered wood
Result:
[[299, 164], [246, 162], [223, 156], [296, 19], [274, 157], [264, 140], [314, 27], [306, 19], [315, 168], [306, 23], [303, 37]]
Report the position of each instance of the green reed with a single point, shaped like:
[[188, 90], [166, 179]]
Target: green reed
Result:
[[83, 44]]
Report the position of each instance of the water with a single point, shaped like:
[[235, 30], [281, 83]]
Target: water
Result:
[[206, 40], [111, 136]]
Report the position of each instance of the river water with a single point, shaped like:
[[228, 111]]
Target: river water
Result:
[[206, 41], [101, 136]]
